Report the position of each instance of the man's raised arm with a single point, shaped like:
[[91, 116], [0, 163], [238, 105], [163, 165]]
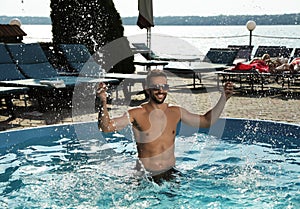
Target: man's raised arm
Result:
[[211, 116], [105, 123]]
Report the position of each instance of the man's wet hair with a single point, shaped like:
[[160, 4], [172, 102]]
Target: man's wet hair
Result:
[[155, 73]]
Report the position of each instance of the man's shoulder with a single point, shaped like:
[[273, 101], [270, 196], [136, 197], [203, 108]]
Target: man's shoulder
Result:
[[173, 106], [136, 108]]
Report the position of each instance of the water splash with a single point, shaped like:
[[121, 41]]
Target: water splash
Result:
[[98, 57]]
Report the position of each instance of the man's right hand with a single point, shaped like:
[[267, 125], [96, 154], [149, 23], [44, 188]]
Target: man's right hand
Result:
[[101, 92], [228, 90]]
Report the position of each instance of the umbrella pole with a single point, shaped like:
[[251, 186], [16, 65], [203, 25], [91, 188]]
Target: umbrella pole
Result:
[[149, 41]]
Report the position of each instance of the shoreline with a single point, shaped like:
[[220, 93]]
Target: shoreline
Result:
[[269, 19]]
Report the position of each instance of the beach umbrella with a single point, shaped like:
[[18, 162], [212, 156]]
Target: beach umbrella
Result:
[[145, 19]]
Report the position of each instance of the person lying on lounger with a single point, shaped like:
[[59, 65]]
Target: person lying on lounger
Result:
[[266, 64], [154, 124], [275, 65]]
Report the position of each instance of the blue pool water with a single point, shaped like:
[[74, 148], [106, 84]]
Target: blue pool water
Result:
[[252, 164]]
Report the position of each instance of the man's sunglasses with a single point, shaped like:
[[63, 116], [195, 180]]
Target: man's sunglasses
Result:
[[157, 87]]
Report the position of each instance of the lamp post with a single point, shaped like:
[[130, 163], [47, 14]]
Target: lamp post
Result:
[[250, 26], [15, 21]]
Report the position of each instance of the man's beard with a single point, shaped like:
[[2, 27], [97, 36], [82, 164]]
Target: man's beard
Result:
[[156, 100]]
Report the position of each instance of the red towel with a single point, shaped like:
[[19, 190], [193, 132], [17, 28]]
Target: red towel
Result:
[[259, 65]]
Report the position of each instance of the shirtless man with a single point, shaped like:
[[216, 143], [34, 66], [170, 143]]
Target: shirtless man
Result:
[[154, 123]]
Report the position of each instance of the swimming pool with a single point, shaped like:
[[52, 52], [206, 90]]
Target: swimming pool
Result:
[[251, 164]]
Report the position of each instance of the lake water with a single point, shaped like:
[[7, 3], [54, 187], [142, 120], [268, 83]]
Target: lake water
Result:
[[193, 40]]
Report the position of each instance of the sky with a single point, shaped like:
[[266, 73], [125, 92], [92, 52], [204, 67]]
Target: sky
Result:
[[128, 8]]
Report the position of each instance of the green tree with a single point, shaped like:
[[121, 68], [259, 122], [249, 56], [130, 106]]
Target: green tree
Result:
[[94, 23]]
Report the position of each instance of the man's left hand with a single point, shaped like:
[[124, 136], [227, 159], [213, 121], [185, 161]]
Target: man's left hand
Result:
[[228, 90]]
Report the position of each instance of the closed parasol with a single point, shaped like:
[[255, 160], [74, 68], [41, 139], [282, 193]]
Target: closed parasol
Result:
[[145, 18]]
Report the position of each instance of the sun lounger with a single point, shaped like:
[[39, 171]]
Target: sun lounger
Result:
[[241, 74], [8, 93], [186, 69], [40, 76], [149, 55], [244, 52], [274, 51], [225, 56], [278, 52], [11, 76], [216, 59], [11, 91], [246, 79], [31, 60], [33, 63], [80, 60], [293, 78], [250, 77], [8, 69], [296, 54], [144, 51]]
